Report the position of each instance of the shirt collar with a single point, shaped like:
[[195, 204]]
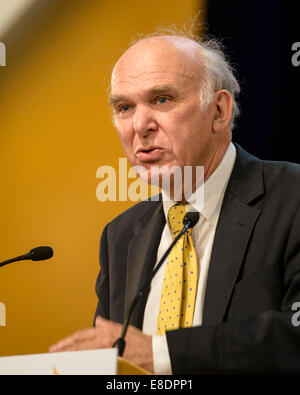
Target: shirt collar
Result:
[[214, 189]]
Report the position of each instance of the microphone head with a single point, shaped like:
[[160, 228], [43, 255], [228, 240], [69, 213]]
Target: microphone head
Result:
[[191, 218], [41, 253]]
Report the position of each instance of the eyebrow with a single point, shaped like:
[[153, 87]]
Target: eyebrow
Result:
[[159, 89], [113, 99]]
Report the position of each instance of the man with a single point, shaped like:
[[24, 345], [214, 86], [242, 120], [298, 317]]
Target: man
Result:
[[174, 105]]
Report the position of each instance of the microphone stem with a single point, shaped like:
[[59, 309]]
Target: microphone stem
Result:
[[120, 343], [19, 258]]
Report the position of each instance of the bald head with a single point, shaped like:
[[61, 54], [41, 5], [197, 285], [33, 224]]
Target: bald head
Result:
[[181, 45], [180, 52], [210, 65]]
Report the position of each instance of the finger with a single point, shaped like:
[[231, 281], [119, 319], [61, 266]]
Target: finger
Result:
[[73, 342], [83, 345], [67, 344]]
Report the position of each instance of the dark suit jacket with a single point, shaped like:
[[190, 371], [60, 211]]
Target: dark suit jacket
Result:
[[253, 279]]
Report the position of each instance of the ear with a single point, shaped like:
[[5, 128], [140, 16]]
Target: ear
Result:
[[222, 111]]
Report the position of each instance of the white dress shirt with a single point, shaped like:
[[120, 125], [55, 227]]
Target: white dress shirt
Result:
[[203, 235]]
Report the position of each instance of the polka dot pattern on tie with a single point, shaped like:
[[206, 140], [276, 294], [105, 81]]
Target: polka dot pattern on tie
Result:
[[179, 288]]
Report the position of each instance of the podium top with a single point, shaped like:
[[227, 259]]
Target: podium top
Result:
[[92, 362]]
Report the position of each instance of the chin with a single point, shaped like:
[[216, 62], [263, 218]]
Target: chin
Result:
[[143, 172], [160, 176]]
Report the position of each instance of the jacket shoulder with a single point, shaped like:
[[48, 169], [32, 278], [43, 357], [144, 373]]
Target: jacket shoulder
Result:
[[138, 214], [282, 172], [285, 173]]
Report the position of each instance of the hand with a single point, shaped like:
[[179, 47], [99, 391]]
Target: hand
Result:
[[138, 348]]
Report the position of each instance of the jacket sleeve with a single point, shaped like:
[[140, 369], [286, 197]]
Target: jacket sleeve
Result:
[[102, 283], [267, 342]]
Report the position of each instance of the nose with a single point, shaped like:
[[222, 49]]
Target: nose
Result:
[[144, 121]]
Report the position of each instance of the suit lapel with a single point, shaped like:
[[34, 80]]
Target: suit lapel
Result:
[[231, 239], [235, 226], [141, 259]]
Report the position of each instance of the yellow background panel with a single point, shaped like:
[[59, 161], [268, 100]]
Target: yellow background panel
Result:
[[55, 131]]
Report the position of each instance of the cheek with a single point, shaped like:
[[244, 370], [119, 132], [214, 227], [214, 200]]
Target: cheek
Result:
[[187, 135], [174, 127], [179, 131]]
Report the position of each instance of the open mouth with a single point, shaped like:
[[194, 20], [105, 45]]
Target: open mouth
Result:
[[148, 154]]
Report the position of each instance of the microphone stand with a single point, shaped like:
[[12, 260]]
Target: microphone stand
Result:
[[19, 258], [120, 343]]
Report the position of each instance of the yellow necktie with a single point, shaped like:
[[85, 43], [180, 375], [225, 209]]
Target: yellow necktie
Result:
[[177, 302]]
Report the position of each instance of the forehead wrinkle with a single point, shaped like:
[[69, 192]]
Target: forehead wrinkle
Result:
[[158, 68], [165, 88], [154, 80]]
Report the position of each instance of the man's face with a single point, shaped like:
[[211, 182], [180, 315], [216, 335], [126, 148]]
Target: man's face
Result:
[[155, 97]]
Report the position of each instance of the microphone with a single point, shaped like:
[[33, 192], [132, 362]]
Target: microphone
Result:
[[190, 219], [36, 254]]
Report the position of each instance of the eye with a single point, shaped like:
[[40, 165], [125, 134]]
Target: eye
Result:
[[124, 108], [162, 100]]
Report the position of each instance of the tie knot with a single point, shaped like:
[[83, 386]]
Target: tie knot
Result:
[[175, 216]]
